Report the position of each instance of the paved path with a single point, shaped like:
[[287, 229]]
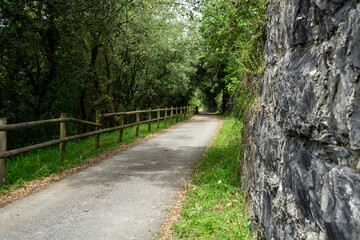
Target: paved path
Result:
[[124, 197]]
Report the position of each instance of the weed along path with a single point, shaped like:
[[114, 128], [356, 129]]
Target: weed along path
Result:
[[124, 197]]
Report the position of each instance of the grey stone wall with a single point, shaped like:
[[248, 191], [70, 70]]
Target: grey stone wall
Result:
[[301, 162]]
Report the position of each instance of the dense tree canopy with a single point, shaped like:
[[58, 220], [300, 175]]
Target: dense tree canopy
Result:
[[63, 54], [114, 55]]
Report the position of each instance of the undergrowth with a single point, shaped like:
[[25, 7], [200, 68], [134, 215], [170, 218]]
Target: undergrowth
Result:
[[215, 207], [44, 162]]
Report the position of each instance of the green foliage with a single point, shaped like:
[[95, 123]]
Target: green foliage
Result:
[[41, 163], [198, 99], [215, 207], [232, 34]]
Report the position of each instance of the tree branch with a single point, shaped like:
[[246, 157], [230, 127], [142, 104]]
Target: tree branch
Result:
[[128, 20]]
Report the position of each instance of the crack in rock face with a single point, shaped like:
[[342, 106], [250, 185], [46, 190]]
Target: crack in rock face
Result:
[[301, 161]]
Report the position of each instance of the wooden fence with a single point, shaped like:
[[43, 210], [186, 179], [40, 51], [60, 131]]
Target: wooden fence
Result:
[[175, 113]]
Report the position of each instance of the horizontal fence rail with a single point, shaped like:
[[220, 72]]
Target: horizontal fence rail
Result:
[[175, 113], [11, 127]]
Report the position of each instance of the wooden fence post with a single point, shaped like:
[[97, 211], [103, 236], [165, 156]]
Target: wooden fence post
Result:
[[121, 131], [3, 146], [176, 113], [166, 110], [137, 121], [97, 136], [158, 120], [62, 135], [149, 118], [171, 114]]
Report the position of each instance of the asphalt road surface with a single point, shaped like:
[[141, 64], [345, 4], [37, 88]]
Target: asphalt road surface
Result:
[[126, 196]]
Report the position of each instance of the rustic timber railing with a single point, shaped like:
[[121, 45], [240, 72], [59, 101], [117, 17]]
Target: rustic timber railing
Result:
[[175, 113]]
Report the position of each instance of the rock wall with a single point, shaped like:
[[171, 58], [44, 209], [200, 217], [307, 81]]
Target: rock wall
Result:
[[301, 161]]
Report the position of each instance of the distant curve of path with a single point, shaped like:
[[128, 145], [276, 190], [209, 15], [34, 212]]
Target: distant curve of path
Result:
[[126, 196]]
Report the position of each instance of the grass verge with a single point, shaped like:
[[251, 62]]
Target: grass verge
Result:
[[42, 163], [214, 208]]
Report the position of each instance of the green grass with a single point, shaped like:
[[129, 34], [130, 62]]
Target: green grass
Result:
[[44, 162], [215, 207]]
